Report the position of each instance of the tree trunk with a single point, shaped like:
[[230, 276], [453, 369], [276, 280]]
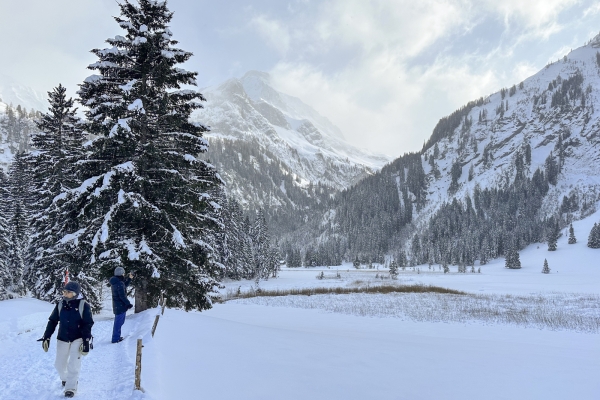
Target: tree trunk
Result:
[[142, 300]]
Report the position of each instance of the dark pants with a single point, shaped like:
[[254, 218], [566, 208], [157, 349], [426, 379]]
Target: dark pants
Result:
[[119, 321]]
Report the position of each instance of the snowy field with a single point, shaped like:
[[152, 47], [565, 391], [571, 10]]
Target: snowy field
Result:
[[516, 334]]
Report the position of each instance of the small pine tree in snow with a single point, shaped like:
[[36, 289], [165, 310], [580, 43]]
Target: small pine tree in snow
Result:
[[572, 238], [145, 201], [594, 237], [356, 263], [394, 269], [546, 269]]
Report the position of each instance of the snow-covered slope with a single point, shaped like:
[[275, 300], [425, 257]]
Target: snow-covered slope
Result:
[[249, 109], [555, 111]]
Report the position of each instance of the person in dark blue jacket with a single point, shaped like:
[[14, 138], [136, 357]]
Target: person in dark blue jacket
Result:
[[74, 334], [120, 301]]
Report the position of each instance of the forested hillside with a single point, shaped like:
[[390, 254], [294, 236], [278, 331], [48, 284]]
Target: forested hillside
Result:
[[510, 169]]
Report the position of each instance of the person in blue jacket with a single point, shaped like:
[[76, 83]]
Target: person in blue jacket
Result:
[[120, 302], [73, 316]]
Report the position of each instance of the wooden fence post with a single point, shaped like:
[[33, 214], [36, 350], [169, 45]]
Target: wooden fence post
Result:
[[138, 366], [155, 323]]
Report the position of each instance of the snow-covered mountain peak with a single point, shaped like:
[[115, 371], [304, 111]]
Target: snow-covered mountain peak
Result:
[[15, 93], [249, 108]]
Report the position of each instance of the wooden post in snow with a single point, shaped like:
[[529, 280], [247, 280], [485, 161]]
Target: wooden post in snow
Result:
[[138, 366], [155, 323]]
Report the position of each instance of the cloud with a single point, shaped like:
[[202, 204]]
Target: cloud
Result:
[[401, 68], [273, 31]]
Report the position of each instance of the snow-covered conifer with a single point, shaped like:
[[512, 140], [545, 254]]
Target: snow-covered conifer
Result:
[[145, 202], [594, 237], [394, 269], [5, 245], [553, 235], [512, 258], [572, 238], [18, 225], [546, 269], [51, 166]]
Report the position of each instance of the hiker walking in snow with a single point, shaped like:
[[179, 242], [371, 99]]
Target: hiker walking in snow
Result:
[[120, 301], [73, 316]]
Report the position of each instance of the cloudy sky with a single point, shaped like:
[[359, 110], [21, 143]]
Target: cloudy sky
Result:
[[384, 71]]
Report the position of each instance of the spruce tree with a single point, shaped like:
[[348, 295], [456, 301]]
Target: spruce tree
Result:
[[512, 258], [553, 235], [5, 244], [594, 237], [394, 269], [262, 246], [18, 225], [145, 202], [546, 269], [58, 147], [572, 238]]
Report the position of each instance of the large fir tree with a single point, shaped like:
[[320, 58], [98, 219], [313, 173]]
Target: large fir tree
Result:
[[58, 145], [144, 202], [18, 224]]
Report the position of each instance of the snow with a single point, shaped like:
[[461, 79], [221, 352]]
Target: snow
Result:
[[123, 123], [300, 347], [190, 158], [177, 237], [72, 237], [128, 86], [139, 40], [137, 105]]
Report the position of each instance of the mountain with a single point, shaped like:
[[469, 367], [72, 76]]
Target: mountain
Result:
[[16, 93], [249, 113], [499, 173]]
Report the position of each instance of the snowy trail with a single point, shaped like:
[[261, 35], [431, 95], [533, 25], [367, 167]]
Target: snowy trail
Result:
[[28, 373]]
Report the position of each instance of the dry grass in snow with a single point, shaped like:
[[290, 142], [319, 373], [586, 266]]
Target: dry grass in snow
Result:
[[556, 311]]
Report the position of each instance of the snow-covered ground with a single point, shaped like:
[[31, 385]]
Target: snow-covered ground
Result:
[[320, 347]]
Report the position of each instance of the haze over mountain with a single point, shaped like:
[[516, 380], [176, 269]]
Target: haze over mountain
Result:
[[17, 93]]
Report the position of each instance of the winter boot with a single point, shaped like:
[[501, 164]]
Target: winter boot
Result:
[[69, 393]]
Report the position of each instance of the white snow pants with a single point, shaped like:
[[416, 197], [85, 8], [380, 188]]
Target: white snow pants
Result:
[[68, 363]]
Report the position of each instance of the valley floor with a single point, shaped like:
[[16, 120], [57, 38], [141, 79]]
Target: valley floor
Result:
[[321, 347]]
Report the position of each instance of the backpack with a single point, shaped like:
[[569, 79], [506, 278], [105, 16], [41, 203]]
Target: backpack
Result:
[[81, 306]]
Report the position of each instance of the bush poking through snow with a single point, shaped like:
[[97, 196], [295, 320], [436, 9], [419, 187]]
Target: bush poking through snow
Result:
[[381, 289]]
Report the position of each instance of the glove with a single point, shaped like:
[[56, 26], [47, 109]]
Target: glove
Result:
[[45, 343], [129, 307], [84, 348]]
